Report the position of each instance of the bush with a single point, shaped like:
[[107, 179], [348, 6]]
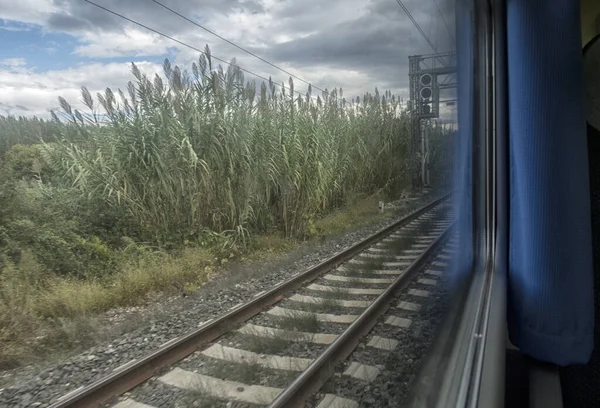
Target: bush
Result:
[[19, 285], [360, 211], [8, 195], [153, 272], [26, 162], [41, 312], [43, 220]]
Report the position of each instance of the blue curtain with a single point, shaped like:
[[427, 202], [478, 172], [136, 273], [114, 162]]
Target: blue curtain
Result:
[[550, 277], [550, 282]]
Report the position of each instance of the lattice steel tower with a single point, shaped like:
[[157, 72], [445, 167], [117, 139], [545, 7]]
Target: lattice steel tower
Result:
[[428, 75]]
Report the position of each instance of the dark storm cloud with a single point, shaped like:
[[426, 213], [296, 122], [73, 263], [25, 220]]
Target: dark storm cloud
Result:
[[79, 15], [374, 37], [349, 44], [67, 23], [378, 43]]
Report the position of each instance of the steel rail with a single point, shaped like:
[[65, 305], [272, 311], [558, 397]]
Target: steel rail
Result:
[[314, 377], [139, 370]]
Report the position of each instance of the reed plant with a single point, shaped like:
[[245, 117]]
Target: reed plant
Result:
[[195, 155]]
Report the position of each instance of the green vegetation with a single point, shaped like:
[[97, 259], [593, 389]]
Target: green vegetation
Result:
[[25, 131], [362, 272], [354, 213], [354, 281], [207, 153], [247, 372], [274, 344], [336, 292], [403, 242], [299, 320], [250, 372], [371, 264], [325, 305], [155, 187], [55, 309], [199, 397]]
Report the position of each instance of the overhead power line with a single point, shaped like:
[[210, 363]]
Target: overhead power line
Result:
[[445, 23], [416, 25], [182, 43], [235, 45]]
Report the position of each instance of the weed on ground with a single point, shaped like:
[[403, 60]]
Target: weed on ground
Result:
[[336, 292], [325, 305], [299, 321]]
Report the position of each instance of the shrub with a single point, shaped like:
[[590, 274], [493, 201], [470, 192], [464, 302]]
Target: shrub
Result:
[[26, 162], [45, 221]]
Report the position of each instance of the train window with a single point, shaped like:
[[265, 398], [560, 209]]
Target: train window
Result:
[[519, 242], [456, 371], [302, 212]]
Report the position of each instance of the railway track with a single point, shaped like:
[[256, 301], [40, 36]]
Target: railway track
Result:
[[281, 347]]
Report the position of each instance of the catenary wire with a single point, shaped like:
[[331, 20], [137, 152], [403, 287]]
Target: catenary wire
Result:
[[235, 45], [185, 44]]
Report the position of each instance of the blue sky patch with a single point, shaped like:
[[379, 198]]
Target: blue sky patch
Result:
[[42, 50], [45, 51]]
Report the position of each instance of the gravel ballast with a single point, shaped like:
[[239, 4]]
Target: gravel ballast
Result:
[[399, 367], [170, 317]]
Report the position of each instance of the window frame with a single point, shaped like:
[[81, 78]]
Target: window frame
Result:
[[466, 364]]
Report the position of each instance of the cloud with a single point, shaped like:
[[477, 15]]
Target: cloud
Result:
[[12, 62], [130, 43], [67, 23], [15, 27], [354, 44], [26, 11], [34, 93]]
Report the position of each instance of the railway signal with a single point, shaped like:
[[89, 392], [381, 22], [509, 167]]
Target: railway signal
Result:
[[428, 75]]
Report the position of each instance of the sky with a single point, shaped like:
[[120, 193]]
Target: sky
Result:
[[51, 48]]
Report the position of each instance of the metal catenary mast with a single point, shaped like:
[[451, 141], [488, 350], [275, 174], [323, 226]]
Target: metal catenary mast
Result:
[[427, 81]]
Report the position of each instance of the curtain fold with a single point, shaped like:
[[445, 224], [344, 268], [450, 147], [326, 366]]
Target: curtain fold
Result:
[[550, 282]]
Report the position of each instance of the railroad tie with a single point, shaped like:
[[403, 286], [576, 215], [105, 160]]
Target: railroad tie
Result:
[[362, 371], [418, 292], [383, 343], [129, 403], [398, 322], [295, 336], [333, 401]]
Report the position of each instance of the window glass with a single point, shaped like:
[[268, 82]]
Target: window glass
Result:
[[164, 163]]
